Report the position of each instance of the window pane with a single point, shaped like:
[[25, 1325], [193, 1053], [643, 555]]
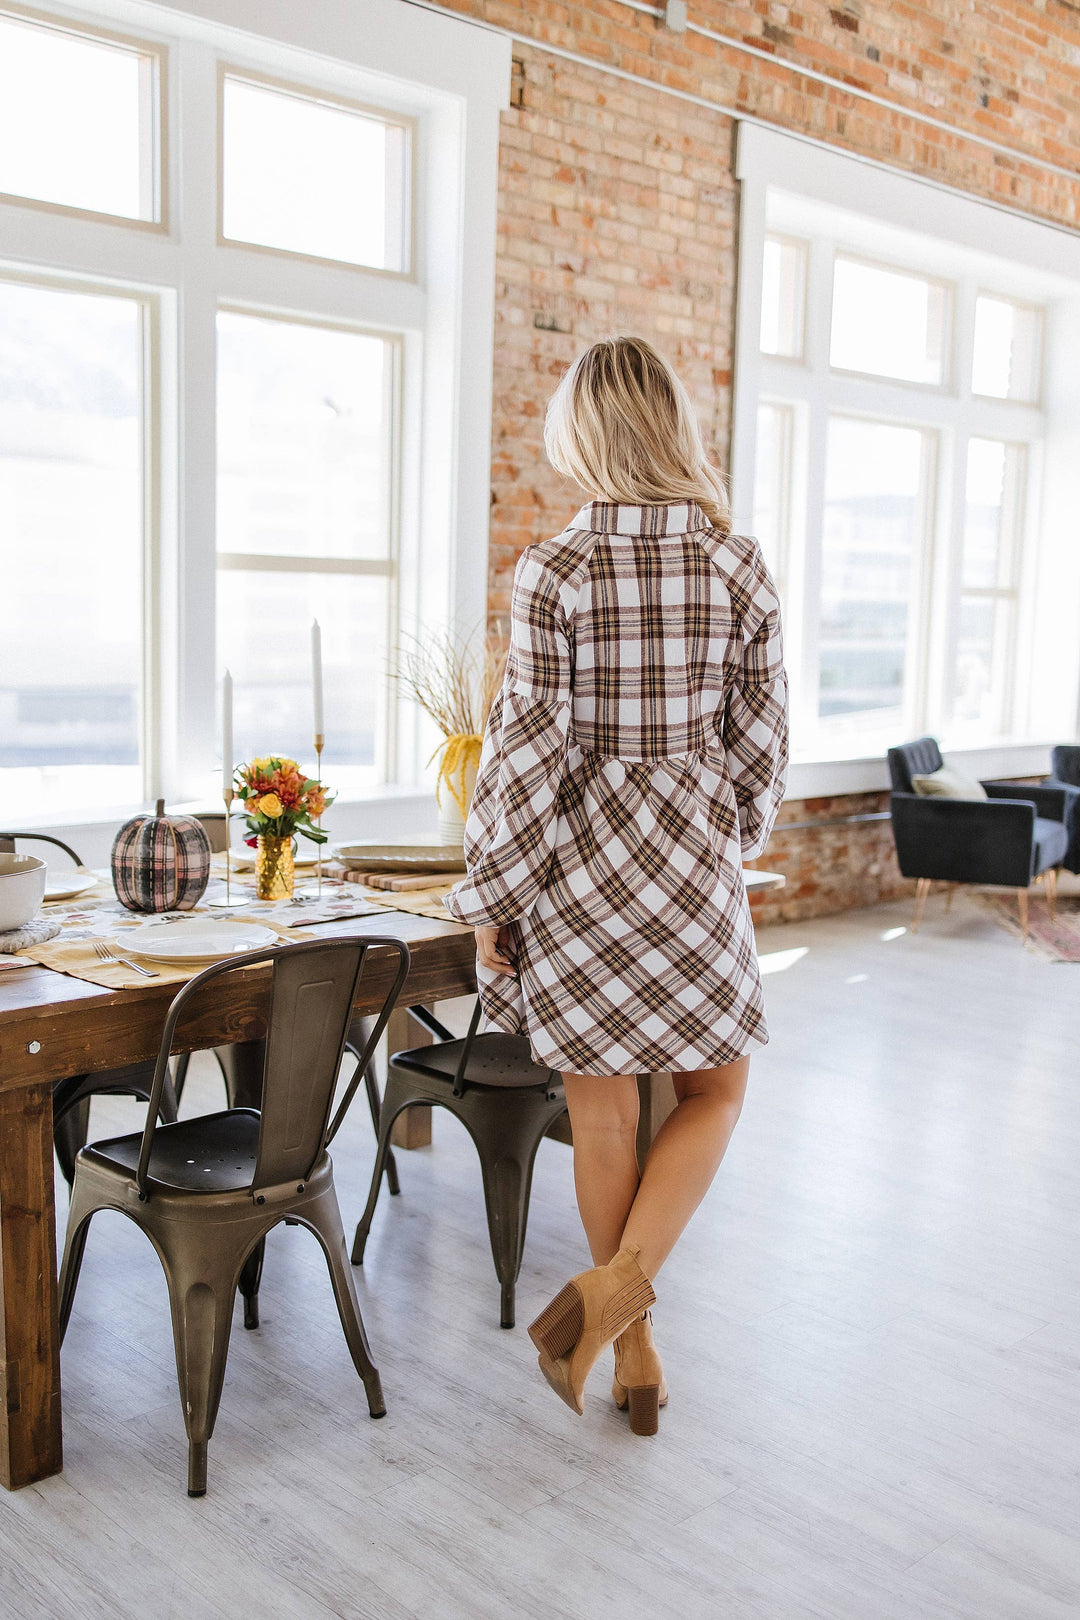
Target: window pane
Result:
[[783, 297], [888, 323], [772, 485], [312, 177], [1008, 343], [303, 439], [76, 121], [71, 521], [982, 673], [982, 662], [873, 520], [994, 474], [264, 639]]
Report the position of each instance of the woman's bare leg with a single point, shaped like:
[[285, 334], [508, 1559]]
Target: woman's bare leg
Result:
[[683, 1160], [604, 1119]]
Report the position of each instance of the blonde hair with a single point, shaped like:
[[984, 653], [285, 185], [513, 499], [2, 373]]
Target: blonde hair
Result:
[[621, 425]]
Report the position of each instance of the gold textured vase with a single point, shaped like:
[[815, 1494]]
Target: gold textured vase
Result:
[[274, 873]]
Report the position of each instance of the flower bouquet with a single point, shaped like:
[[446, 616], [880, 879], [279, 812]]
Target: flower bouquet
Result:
[[280, 802]]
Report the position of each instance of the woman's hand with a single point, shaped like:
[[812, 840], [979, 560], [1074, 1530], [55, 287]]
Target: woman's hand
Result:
[[493, 949]]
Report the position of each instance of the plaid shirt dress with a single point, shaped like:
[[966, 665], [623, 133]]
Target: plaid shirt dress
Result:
[[634, 757]]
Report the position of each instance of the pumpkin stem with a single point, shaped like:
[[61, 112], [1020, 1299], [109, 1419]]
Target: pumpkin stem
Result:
[[160, 809]]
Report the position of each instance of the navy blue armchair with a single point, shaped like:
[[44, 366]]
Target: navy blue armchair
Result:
[[1065, 774], [1014, 835]]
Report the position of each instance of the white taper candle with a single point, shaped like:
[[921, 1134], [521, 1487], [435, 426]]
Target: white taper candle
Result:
[[316, 675], [227, 760]]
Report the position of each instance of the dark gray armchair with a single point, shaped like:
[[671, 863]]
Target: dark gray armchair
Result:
[[1014, 835], [1065, 774]]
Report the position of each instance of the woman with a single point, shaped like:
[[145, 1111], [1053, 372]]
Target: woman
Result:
[[634, 759]]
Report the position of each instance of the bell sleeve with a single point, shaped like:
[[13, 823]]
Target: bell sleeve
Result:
[[755, 731], [510, 831]]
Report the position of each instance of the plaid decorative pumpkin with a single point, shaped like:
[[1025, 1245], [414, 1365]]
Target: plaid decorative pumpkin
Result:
[[160, 862]]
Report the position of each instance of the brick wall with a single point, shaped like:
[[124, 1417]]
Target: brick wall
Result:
[[618, 213]]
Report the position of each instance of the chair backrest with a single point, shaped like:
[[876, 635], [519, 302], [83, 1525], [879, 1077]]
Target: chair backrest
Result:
[[7, 843], [313, 989], [919, 758], [1065, 763]]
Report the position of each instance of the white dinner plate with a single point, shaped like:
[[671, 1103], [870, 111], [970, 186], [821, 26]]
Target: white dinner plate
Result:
[[66, 885], [196, 939]]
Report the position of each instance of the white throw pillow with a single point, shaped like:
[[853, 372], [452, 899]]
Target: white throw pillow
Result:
[[948, 784]]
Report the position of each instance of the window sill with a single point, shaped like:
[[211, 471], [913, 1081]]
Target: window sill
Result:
[[810, 778]]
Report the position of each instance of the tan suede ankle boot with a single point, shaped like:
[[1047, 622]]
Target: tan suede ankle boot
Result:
[[584, 1317], [639, 1376]]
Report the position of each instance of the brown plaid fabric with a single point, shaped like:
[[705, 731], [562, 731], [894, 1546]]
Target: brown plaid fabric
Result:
[[634, 758]]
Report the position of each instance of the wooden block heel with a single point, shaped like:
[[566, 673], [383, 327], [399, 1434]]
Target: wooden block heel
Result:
[[644, 1408], [559, 1326]]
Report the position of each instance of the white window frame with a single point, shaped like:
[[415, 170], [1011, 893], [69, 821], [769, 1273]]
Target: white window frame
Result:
[[449, 79], [789, 187]]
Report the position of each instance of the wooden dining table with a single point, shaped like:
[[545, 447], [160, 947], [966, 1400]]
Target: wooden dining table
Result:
[[53, 1026]]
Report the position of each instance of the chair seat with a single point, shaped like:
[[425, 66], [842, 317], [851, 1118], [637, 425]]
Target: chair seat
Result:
[[498, 1062], [1051, 843], [214, 1153]]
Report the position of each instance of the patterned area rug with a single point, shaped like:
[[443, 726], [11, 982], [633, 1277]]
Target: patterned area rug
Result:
[[1055, 938]]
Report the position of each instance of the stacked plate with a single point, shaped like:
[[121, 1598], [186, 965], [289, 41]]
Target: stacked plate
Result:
[[195, 940]]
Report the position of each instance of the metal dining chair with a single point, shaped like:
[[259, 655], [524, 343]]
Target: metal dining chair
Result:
[[206, 1191], [71, 1097], [506, 1102]]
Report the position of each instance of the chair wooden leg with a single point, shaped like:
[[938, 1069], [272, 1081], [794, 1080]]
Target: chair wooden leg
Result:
[[1022, 904], [922, 889], [949, 892], [1050, 882]]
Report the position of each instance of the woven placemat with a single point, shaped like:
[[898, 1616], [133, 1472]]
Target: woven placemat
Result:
[[35, 932], [77, 958]]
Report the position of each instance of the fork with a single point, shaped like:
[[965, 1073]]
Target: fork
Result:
[[105, 953]]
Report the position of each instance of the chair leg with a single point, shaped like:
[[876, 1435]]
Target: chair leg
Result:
[[180, 1073], [80, 1211], [922, 889], [371, 1085], [397, 1098], [250, 1278], [70, 1133], [507, 1149], [323, 1217], [1050, 881], [202, 1287], [1022, 904], [949, 892]]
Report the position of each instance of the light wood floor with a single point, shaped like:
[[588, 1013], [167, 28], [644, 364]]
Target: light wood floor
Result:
[[871, 1333]]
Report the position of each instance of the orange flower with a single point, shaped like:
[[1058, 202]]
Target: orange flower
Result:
[[315, 801]]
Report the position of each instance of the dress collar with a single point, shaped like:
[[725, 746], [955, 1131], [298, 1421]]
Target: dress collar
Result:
[[646, 522]]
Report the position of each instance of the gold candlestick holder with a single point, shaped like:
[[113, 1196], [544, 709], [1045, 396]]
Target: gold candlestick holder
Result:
[[228, 797], [320, 743]]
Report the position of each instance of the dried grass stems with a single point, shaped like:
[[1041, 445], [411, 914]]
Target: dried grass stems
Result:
[[453, 682]]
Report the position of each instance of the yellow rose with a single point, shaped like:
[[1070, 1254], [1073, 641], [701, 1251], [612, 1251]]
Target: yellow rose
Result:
[[270, 805]]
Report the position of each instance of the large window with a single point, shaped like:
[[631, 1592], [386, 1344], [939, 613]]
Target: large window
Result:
[[71, 519], [913, 522], [234, 298]]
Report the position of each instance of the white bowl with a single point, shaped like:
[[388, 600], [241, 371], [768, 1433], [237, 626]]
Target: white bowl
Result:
[[22, 889]]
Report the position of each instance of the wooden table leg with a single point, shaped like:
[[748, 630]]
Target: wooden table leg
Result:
[[412, 1128], [30, 1435]]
